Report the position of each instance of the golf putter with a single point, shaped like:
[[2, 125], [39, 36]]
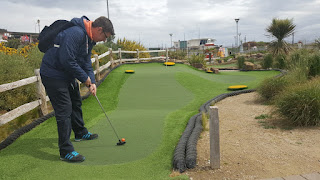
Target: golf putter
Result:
[[120, 142]]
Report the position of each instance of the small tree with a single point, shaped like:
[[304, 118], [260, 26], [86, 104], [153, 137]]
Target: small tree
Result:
[[280, 29], [317, 43]]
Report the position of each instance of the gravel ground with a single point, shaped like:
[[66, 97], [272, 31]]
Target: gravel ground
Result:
[[256, 148]]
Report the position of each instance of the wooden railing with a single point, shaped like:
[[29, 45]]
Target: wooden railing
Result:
[[42, 101]]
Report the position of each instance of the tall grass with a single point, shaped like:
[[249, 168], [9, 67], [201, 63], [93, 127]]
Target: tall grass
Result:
[[305, 61], [301, 104], [241, 61], [267, 61], [271, 87], [280, 61], [314, 68], [297, 94]]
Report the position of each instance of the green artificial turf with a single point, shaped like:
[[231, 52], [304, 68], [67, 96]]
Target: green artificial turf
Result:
[[149, 108]]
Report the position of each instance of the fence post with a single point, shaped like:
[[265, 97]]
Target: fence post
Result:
[[111, 58], [120, 55], [214, 138], [138, 56], [96, 57], [41, 93]]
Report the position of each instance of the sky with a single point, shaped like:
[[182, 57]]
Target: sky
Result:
[[150, 22]]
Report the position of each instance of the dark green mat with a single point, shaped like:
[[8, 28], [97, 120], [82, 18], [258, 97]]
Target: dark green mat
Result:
[[146, 98]]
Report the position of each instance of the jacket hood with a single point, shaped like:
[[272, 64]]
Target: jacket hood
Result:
[[79, 22]]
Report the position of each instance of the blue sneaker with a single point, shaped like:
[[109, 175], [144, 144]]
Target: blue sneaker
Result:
[[88, 136], [73, 157]]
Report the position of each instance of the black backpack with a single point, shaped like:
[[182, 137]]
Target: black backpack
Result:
[[48, 34]]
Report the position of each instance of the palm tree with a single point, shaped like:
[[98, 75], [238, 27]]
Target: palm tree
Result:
[[280, 29], [317, 42]]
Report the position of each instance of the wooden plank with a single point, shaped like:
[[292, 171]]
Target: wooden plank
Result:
[[11, 115], [104, 54], [41, 93], [138, 56], [16, 84], [153, 51], [132, 52], [97, 67], [106, 66], [93, 60], [151, 58], [214, 138], [135, 59]]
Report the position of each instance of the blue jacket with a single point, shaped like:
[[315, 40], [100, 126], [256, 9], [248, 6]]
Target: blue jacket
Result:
[[70, 58]]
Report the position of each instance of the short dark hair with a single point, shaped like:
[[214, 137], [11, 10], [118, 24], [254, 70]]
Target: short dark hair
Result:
[[105, 23]]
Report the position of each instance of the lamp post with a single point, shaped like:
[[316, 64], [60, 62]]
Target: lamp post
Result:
[[237, 20], [38, 21], [108, 8], [171, 39]]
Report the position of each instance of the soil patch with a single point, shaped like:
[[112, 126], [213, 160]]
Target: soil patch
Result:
[[256, 148]]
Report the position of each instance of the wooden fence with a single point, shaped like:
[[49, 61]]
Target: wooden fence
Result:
[[42, 101]]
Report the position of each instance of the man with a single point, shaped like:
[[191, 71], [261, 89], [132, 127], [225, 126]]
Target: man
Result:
[[68, 60]]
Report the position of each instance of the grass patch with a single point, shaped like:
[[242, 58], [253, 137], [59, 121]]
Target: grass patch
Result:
[[35, 152], [263, 116], [266, 125], [205, 121]]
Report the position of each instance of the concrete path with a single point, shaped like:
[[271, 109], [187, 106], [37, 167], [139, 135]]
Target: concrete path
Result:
[[312, 176]]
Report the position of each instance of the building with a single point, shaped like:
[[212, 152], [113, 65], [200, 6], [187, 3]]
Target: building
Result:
[[23, 36], [195, 44], [180, 44]]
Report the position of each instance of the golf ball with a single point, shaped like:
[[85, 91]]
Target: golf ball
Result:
[[123, 139]]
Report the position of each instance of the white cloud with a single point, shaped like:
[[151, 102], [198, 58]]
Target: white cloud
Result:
[[152, 21]]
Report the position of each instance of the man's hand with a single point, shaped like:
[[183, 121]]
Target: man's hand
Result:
[[88, 82], [93, 89]]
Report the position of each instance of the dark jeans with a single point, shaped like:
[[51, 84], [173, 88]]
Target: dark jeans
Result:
[[66, 101]]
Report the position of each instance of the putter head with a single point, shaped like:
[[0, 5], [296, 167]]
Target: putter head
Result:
[[120, 143]]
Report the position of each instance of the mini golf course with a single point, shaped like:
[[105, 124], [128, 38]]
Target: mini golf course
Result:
[[149, 108]]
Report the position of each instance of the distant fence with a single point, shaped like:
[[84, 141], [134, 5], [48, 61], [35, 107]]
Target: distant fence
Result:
[[43, 98]]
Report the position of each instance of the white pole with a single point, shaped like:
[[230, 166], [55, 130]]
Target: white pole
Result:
[[167, 59]]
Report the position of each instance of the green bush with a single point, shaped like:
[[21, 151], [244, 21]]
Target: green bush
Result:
[[270, 87], [267, 61], [280, 61], [177, 55], [34, 58], [304, 61], [128, 45], [13, 43], [251, 60], [14, 68], [241, 61], [301, 104], [314, 67], [195, 60]]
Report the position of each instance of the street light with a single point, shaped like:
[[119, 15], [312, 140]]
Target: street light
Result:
[[237, 20], [108, 8], [171, 39], [38, 21]]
